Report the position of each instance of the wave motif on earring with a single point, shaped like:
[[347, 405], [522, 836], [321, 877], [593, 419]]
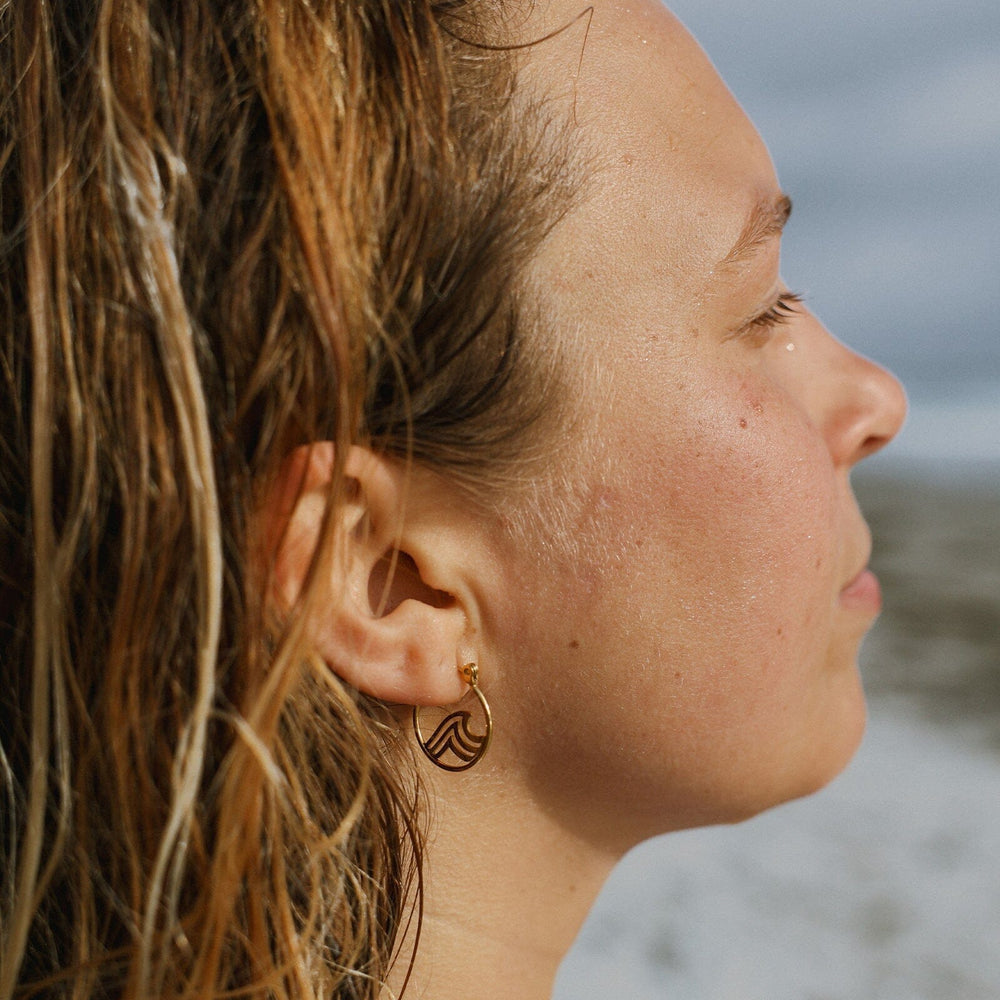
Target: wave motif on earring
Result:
[[453, 746]]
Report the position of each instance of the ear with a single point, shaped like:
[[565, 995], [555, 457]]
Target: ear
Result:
[[374, 591]]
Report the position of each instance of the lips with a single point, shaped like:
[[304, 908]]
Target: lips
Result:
[[862, 593]]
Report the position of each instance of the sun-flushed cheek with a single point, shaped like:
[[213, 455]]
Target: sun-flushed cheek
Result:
[[716, 514], [686, 638]]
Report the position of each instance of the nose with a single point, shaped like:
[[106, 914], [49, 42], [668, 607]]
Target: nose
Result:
[[868, 407]]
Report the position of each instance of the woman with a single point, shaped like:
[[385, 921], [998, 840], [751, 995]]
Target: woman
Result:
[[365, 358]]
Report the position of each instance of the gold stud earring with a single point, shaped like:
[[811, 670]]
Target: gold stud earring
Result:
[[453, 746]]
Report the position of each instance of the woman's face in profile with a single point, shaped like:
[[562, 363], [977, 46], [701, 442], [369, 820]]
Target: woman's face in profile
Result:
[[693, 659]]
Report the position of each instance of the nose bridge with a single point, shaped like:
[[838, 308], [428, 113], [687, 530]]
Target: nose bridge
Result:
[[868, 411]]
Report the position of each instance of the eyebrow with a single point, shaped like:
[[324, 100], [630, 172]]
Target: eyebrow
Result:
[[767, 219]]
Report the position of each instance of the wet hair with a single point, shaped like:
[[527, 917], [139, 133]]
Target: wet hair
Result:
[[229, 228]]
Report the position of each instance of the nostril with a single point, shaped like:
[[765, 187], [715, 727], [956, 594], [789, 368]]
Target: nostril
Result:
[[872, 444], [882, 409]]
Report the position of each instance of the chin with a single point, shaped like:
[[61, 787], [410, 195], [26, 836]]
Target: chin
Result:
[[803, 774], [812, 773]]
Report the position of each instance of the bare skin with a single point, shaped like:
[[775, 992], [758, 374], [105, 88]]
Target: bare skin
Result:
[[685, 652], [694, 661]]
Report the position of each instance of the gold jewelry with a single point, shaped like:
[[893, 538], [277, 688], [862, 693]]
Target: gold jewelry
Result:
[[453, 746]]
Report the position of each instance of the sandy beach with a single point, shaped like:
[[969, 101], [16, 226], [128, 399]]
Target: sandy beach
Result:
[[885, 886]]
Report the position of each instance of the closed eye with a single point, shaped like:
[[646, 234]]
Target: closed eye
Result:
[[771, 318]]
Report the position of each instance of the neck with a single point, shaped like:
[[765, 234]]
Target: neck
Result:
[[506, 890]]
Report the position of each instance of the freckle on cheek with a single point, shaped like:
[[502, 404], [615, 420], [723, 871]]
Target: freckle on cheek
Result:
[[743, 423]]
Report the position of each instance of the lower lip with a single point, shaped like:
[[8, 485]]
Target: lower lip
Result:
[[863, 593]]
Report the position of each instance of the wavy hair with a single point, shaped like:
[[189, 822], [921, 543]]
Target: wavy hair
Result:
[[229, 228]]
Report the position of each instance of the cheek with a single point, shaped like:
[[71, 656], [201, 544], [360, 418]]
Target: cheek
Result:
[[688, 642], [726, 510]]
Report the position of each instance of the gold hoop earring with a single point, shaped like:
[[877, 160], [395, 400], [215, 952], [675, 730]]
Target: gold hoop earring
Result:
[[453, 746]]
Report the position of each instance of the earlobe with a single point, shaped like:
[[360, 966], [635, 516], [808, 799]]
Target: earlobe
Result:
[[342, 559]]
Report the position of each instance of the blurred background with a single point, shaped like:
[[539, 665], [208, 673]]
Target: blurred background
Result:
[[884, 123]]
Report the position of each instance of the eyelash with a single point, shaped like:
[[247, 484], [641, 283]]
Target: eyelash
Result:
[[774, 316]]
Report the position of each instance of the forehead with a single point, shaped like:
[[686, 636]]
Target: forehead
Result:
[[677, 164]]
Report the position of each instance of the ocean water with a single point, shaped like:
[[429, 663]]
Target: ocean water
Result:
[[957, 435]]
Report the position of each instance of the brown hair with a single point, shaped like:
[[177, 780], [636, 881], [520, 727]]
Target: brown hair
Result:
[[229, 228]]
